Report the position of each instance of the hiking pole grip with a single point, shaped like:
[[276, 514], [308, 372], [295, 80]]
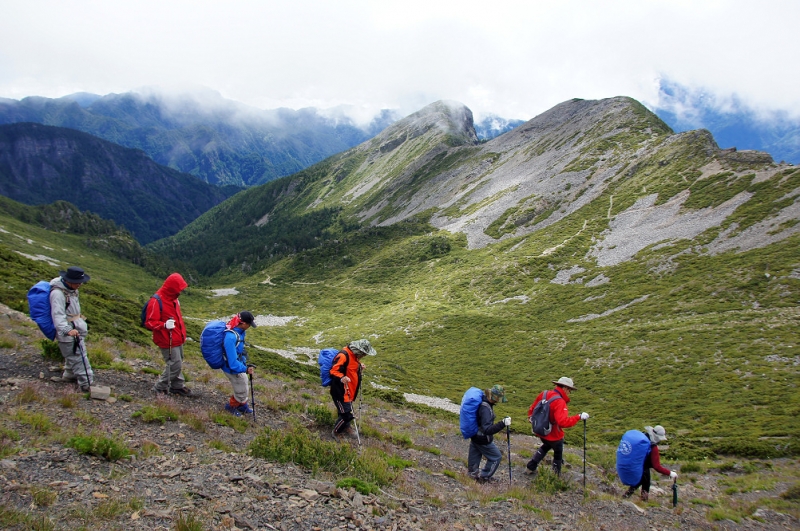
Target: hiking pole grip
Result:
[[675, 492]]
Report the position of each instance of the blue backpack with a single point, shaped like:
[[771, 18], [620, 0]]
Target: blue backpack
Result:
[[39, 307], [144, 308], [631, 453], [212, 344], [468, 415], [325, 361]]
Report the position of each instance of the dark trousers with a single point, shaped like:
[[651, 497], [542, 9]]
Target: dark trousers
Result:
[[345, 410], [558, 452], [645, 481]]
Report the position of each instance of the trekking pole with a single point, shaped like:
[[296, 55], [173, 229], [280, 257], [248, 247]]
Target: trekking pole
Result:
[[252, 395], [584, 458], [169, 364], [675, 492], [508, 439], [75, 347]]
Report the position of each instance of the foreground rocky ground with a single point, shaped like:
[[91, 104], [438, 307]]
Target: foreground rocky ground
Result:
[[196, 473]]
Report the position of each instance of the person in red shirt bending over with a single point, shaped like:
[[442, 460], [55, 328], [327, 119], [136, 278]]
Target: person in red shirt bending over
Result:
[[346, 381], [653, 460], [559, 419]]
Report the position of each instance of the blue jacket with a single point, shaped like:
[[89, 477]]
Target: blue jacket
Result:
[[234, 351]]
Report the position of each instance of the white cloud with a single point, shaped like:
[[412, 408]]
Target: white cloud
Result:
[[511, 58]]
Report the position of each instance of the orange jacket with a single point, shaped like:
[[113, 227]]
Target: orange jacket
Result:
[[353, 372], [559, 415]]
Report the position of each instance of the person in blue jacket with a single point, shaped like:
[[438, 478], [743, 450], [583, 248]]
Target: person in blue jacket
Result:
[[236, 368]]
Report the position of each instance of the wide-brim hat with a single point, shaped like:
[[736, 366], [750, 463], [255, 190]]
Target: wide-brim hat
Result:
[[363, 346], [565, 382], [74, 275], [656, 434]]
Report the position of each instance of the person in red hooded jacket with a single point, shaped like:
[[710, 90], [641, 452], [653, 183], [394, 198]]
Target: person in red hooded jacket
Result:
[[559, 419], [163, 317]]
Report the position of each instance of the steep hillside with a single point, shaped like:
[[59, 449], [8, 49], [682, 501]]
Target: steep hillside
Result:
[[590, 242], [41, 164], [218, 140]]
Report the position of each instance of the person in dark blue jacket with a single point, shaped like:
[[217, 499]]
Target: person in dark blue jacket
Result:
[[236, 368], [482, 445]]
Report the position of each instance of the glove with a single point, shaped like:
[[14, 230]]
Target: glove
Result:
[[507, 421], [673, 475], [170, 324], [584, 416]]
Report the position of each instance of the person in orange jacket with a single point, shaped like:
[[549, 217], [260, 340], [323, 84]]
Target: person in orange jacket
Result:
[[163, 317], [559, 419], [346, 381]]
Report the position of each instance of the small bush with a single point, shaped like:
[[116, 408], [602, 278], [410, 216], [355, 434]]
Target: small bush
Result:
[[43, 497], [35, 420], [188, 522], [121, 366], [548, 482], [690, 468], [150, 370], [322, 416], [125, 398], [158, 413], [27, 395], [226, 419], [361, 486], [149, 448], [50, 350], [219, 445], [67, 400], [792, 493], [109, 449], [100, 358]]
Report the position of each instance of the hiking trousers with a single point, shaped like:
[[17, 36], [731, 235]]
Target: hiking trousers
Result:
[[345, 410], [172, 377], [558, 453], [490, 452], [73, 363], [241, 391]]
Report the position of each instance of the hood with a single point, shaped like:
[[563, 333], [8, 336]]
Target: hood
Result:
[[173, 286]]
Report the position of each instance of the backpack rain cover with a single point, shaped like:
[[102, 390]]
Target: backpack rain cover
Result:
[[468, 415], [631, 453], [325, 361], [212, 341], [39, 306]]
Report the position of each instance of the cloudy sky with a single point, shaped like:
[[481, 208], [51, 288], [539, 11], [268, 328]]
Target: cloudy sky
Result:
[[512, 58]]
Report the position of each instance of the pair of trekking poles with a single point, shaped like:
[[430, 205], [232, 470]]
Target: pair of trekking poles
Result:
[[358, 437]]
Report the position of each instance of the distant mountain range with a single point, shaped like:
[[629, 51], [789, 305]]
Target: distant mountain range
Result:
[[218, 140], [732, 123], [42, 164]]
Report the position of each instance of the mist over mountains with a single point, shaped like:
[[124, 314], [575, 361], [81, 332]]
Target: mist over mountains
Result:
[[200, 133]]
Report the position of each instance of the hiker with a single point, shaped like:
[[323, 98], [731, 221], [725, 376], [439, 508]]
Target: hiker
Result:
[[163, 317], [652, 460], [71, 329], [559, 419], [482, 445], [346, 381], [235, 366]]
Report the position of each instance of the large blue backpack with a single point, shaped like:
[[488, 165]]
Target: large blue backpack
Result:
[[39, 307], [631, 453], [212, 344], [468, 415], [325, 361]]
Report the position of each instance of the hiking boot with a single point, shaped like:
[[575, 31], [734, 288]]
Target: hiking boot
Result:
[[482, 480], [86, 388], [158, 391], [183, 391], [244, 409], [645, 496], [61, 379], [531, 471], [629, 492], [234, 411]]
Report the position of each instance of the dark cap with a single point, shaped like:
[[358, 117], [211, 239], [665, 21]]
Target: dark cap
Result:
[[247, 317], [74, 275]]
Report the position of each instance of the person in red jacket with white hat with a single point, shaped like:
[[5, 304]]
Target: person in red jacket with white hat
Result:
[[559, 419]]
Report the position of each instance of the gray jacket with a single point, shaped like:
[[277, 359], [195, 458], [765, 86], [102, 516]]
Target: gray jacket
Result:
[[66, 316]]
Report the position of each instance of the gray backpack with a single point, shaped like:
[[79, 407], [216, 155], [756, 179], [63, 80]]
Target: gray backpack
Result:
[[540, 419]]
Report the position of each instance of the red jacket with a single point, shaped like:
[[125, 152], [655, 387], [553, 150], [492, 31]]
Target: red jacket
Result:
[[559, 415], [170, 308]]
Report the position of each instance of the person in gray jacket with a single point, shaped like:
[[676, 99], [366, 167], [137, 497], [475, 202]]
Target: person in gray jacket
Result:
[[71, 329], [482, 445]]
